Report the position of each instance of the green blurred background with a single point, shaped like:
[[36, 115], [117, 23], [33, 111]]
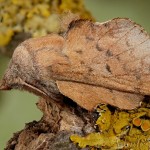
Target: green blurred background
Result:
[[18, 108]]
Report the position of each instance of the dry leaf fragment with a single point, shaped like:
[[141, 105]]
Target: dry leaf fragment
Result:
[[91, 63]]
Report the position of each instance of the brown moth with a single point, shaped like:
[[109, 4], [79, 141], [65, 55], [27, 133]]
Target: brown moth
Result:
[[91, 63]]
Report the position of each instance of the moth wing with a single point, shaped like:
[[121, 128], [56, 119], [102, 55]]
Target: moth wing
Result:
[[114, 54], [89, 97]]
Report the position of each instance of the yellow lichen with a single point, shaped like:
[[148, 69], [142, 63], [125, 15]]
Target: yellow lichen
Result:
[[36, 17], [6, 36], [119, 129], [121, 120], [95, 139], [104, 120]]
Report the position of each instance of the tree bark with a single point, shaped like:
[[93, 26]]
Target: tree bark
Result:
[[52, 132]]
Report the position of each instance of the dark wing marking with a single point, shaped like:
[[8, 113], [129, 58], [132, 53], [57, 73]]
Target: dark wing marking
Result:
[[118, 56]]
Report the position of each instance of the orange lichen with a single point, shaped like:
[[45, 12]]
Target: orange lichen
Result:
[[145, 126], [137, 122]]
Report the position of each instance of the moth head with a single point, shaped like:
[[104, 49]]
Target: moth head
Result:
[[20, 72], [4, 86]]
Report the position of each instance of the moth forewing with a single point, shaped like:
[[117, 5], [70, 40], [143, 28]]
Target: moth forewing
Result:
[[91, 63]]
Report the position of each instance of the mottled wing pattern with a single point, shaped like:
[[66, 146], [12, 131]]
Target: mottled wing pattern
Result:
[[114, 54], [91, 63]]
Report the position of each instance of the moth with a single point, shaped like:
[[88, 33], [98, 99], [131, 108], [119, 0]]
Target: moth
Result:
[[91, 63]]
